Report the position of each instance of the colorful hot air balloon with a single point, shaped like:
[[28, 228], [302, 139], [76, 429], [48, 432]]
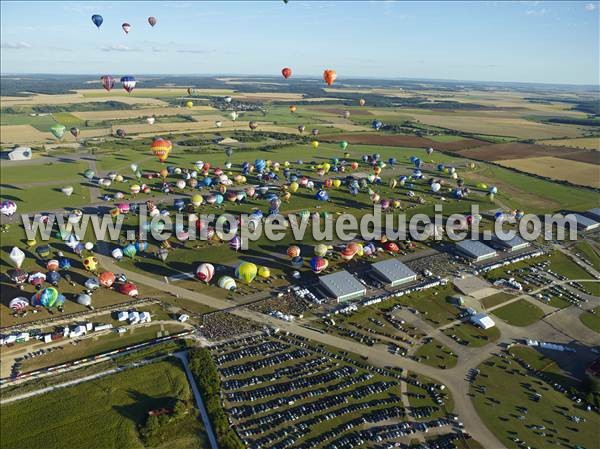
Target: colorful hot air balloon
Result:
[[377, 124], [74, 131], [329, 76], [90, 263], [129, 289], [108, 82], [235, 243], [152, 21], [130, 250], [107, 279], [247, 271], [253, 125], [126, 27], [318, 264], [320, 250], [161, 149], [227, 283], [18, 304], [58, 130], [293, 251], [293, 108], [48, 298], [301, 128], [343, 144], [97, 20], [205, 272], [264, 272], [286, 72], [8, 208], [128, 83]]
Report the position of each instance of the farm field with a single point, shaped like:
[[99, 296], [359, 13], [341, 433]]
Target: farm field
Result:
[[551, 167], [109, 416], [588, 143], [591, 319]]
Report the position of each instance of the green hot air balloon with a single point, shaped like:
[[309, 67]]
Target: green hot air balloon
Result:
[[58, 130], [130, 250], [343, 144], [89, 174]]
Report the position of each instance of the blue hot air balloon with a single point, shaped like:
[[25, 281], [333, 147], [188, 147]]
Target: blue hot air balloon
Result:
[[207, 181], [297, 261], [53, 277], [141, 246], [64, 263], [377, 124], [322, 195], [440, 167], [179, 204], [392, 161], [97, 19], [260, 165]]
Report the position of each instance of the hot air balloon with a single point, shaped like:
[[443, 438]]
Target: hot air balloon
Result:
[[329, 76], [377, 124], [227, 283], [108, 82], [314, 132], [392, 247], [233, 115], [52, 265], [286, 72], [18, 304], [347, 254], [318, 264], [84, 299], [361, 102], [126, 27], [189, 104], [435, 187], [152, 21], [301, 128], [48, 298], [293, 108], [161, 149], [130, 250], [74, 131], [205, 272], [218, 123], [264, 272], [128, 83], [227, 99], [297, 261], [429, 151], [129, 289], [314, 144], [293, 251], [247, 271], [120, 133], [107, 279], [67, 190], [17, 257], [97, 20], [320, 250], [235, 243], [8, 208], [253, 125], [90, 263], [58, 130]]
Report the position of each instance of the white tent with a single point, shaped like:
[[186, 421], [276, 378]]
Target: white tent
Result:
[[482, 320], [20, 154]]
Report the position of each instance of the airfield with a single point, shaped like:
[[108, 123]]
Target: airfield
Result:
[[399, 365]]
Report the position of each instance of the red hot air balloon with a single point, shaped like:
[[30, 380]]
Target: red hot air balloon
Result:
[[329, 76], [286, 72], [108, 82], [152, 21]]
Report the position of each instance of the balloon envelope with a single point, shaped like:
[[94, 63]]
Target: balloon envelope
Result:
[[152, 21], [97, 20]]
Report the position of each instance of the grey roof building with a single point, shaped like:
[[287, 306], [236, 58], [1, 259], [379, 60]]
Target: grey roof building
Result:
[[343, 286], [394, 272], [594, 213], [514, 244], [585, 223], [474, 249]]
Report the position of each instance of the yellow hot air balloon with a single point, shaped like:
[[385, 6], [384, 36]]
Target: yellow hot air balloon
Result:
[[161, 149], [196, 200], [393, 183], [247, 271], [189, 104], [31, 243], [326, 167], [315, 144], [377, 170], [264, 272], [286, 196], [337, 183], [293, 187], [320, 250], [163, 173], [90, 263]]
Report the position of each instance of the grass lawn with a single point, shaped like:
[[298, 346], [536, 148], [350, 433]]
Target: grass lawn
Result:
[[433, 305], [591, 320], [562, 264], [473, 335], [496, 299], [42, 123], [519, 313], [589, 253], [436, 354], [105, 413], [68, 120], [62, 172], [508, 388]]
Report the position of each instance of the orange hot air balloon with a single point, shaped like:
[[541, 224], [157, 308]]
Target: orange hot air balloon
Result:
[[286, 72], [329, 76], [161, 149], [293, 108]]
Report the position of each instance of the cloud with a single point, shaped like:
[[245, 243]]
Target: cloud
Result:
[[590, 7], [536, 12], [16, 45], [158, 50], [118, 47], [195, 51]]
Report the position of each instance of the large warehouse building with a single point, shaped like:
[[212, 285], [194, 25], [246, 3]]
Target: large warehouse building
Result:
[[474, 249], [514, 244], [594, 213], [343, 286], [585, 223], [393, 272]]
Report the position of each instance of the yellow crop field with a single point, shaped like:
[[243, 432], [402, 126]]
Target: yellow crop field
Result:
[[39, 99], [21, 134], [563, 169], [588, 143], [135, 113]]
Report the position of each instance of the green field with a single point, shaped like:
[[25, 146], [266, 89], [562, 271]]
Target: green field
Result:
[[43, 123], [508, 389], [474, 336], [47, 172], [436, 354], [495, 300], [105, 413], [590, 254], [591, 320], [519, 313], [562, 264]]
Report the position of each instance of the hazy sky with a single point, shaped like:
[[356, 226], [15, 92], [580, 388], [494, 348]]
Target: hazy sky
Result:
[[555, 42]]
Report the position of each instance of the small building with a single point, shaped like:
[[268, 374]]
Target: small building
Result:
[[20, 154], [78, 331], [594, 213], [475, 250], [183, 318], [122, 316], [145, 317], [103, 327], [514, 244], [134, 317], [482, 320], [585, 223], [343, 286], [394, 272]]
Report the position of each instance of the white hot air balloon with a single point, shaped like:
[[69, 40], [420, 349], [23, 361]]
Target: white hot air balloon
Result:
[[89, 246], [67, 190], [227, 99], [150, 120], [435, 187], [218, 123], [17, 257], [233, 115]]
